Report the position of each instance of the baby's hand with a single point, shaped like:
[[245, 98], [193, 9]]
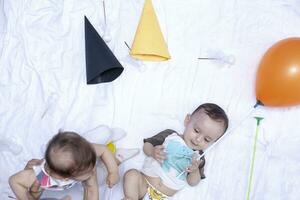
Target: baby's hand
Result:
[[158, 153], [35, 191], [33, 162], [112, 179], [195, 164]]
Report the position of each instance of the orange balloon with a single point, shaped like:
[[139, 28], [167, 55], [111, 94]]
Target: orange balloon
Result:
[[278, 75]]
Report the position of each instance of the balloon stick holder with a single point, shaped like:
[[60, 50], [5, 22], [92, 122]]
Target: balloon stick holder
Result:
[[258, 103], [218, 57]]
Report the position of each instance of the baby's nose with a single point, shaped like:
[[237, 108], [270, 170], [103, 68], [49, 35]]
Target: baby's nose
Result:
[[199, 138]]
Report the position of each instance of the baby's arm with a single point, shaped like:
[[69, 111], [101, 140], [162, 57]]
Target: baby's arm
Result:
[[20, 182], [91, 191], [157, 152], [153, 146], [194, 176], [110, 162], [148, 149]]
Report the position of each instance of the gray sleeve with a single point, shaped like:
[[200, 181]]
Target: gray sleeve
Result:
[[201, 166], [159, 138]]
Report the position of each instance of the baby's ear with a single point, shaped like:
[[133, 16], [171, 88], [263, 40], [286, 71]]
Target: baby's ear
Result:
[[187, 119]]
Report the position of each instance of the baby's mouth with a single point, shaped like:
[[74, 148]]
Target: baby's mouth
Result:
[[194, 144]]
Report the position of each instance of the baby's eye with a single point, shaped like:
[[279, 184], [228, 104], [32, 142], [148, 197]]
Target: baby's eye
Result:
[[196, 130], [206, 140]]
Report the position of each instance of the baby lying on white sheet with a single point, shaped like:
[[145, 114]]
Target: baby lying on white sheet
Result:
[[70, 159], [172, 158]]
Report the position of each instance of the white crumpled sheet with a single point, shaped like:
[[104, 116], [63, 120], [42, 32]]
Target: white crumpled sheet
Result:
[[43, 86]]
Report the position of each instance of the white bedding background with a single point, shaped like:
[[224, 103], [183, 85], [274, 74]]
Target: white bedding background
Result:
[[43, 86]]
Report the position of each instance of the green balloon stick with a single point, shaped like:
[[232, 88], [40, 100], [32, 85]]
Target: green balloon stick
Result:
[[258, 120]]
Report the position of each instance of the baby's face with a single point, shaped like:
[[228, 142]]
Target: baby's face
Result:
[[201, 131]]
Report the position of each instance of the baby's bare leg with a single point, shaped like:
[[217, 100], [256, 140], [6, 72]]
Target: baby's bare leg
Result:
[[117, 161], [135, 186]]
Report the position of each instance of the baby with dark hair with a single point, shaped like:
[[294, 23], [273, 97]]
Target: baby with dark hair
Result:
[[68, 154], [172, 159], [69, 159]]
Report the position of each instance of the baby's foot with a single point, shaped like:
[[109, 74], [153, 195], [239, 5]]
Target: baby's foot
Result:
[[99, 135], [117, 134], [125, 154]]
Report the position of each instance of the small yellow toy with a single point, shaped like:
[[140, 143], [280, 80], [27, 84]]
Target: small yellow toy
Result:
[[112, 147]]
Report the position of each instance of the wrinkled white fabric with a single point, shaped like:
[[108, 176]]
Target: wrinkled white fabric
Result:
[[43, 86]]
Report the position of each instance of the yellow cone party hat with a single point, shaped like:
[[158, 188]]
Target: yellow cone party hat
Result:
[[149, 43]]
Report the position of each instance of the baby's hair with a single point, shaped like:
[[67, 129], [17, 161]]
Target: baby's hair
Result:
[[81, 152], [215, 112]]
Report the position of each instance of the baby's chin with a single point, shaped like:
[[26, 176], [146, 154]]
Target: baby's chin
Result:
[[192, 146]]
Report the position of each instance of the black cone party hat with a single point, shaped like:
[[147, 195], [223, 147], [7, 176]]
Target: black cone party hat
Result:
[[101, 64]]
